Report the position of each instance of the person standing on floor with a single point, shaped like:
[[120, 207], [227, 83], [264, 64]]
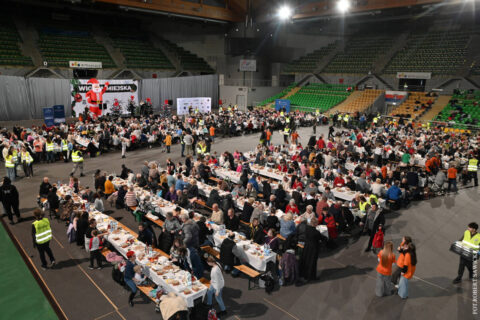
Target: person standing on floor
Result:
[[129, 274], [95, 247], [400, 260], [10, 200], [470, 239], [77, 159], [386, 258], [216, 286], [409, 266], [27, 161], [42, 234]]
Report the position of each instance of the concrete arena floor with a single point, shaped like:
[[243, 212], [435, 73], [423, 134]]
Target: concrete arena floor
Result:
[[346, 284]]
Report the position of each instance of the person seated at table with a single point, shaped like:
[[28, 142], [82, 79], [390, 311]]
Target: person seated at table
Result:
[[170, 227], [120, 202], [255, 232], [145, 235], [217, 214], [292, 208], [377, 188], [171, 195], [350, 184], [271, 240], [192, 189], [182, 199], [259, 213], [45, 187], [141, 180], [139, 278], [98, 203], [109, 187], [247, 210], [229, 254], [282, 167], [296, 183], [250, 191], [131, 198], [329, 176], [339, 181], [53, 201], [287, 225], [272, 221], [238, 191], [281, 196], [232, 222], [329, 194], [309, 214], [394, 193], [311, 187], [173, 307], [189, 260], [322, 203], [204, 232], [267, 189]]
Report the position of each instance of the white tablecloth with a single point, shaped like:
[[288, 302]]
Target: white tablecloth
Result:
[[148, 267], [257, 260]]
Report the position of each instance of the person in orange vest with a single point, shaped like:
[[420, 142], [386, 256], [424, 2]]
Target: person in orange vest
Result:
[[452, 178], [408, 270], [386, 258], [212, 133], [168, 141]]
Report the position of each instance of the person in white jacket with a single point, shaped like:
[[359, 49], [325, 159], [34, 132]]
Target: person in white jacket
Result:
[[216, 286]]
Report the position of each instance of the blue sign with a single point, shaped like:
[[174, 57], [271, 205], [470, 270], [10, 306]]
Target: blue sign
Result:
[[58, 114], [48, 117], [281, 104]]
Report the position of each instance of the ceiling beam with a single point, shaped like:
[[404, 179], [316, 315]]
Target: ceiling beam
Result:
[[328, 7], [182, 8]]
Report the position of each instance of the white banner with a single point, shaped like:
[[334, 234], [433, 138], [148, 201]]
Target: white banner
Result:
[[204, 105], [116, 95], [414, 75], [85, 64], [248, 65]]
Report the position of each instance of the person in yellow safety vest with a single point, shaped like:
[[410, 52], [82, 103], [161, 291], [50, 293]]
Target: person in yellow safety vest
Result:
[[470, 239], [49, 147], [287, 119], [42, 234], [27, 161], [15, 161], [200, 122], [77, 160], [345, 118], [65, 150], [196, 110], [286, 133], [317, 112], [201, 148], [472, 170], [10, 164], [281, 113], [229, 108]]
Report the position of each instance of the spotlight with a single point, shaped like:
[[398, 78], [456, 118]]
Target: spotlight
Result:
[[343, 5], [284, 13]]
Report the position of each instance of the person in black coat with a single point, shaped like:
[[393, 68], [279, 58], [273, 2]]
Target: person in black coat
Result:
[[10, 200], [82, 226], [373, 219], [53, 200], [256, 233], [232, 222], [266, 190], [145, 235], [124, 173], [45, 187], [280, 195], [309, 257], [204, 232], [247, 210], [227, 255]]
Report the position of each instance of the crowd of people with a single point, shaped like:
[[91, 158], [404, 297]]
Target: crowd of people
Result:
[[343, 183]]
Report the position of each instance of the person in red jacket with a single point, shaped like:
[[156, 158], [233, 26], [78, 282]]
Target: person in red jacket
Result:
[[328, 220], [339, 181], [321, 143]]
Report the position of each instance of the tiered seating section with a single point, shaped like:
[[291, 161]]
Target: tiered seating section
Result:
[[436, 52], [319, 96], [141, 54], [415, 105], [359, 55], [277, 96], [59, 46], [360, 103], [10, 53], [463, 108], [188, 60], [309, 62]]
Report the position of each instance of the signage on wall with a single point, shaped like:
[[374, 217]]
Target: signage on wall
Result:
[[248, 65], [85, 64], [414, 75]]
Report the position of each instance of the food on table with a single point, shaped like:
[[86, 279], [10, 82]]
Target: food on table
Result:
[[187, 291]]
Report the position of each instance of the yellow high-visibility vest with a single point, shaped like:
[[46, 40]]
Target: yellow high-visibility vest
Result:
[[26, 157], [43, 232], [14, 156], [64, 145], [49, 146], [9, 162], [472, 165], [471, 242], [76, 157]]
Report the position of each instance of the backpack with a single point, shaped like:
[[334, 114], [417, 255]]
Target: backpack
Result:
[[212, 315], [269, 282], [377, 242]]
